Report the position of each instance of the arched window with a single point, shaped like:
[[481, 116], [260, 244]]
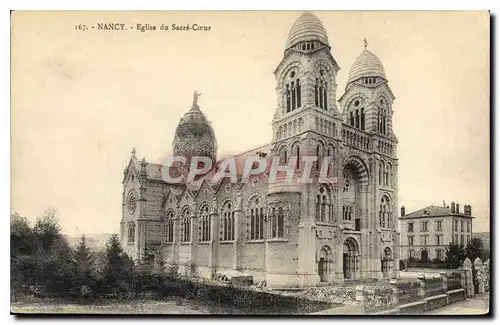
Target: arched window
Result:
[[324, 206], [169, 227], [277, 223], [348, 194], [131, 232], [283, 156], [318, 208], [382, 119], [205, 224], [256, 216], [362, 119], [227, 223], [319, 154], [380, 173], [351, 119], [385, 214], [321, 93], [292, 92], [357, 119], [185, 225], [389, 170], [287, 98]]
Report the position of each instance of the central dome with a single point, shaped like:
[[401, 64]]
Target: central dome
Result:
[[195, 136], [307, 28]]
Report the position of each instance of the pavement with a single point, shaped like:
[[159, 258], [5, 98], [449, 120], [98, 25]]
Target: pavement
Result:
[[478, 305]]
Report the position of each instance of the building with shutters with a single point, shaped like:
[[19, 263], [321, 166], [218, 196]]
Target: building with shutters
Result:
[[425, 233]]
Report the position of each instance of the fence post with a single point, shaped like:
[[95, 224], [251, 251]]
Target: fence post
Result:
[[467, 275], [421, 282], [395, 293], [444, 278], [360, 296], [487, 275], [478, 265]]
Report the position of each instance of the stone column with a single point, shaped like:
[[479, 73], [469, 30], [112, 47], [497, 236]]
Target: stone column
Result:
[[339, 263], [364, 258], [177, 236], [306, 266], [194, 236], [141, 238], [396, 254], [123, 239], [214, 238], [237, 233]]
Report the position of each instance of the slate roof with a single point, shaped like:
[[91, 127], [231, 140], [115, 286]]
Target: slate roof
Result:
[[154, 171], [432, 211]]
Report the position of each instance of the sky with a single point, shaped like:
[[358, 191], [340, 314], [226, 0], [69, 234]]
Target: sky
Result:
[[81, 100]]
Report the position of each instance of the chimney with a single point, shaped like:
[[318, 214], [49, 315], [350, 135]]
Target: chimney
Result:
[[457, 208], [467, 210], [402, 210], [452, 206]]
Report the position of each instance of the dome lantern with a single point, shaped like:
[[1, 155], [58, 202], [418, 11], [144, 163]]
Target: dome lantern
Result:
[[307, 28]]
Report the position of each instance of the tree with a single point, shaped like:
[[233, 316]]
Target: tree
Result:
[[21, 236], [455, 255], [21, 251], [52, 256], [475, 249], [83, 268], [118, 268]]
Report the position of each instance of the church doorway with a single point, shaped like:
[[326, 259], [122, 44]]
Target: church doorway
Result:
[[325, 258], [350, 259]]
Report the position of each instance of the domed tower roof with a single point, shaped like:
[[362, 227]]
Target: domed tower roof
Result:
[[366, 65], [194, 135], [307, 28]]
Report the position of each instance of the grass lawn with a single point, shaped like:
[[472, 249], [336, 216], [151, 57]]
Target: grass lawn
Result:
[[170, 306]]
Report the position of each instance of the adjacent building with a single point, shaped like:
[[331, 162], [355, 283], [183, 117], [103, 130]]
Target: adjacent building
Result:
[[425, 233], [284, 234]]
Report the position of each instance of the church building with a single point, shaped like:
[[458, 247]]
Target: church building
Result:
[[283, 234]]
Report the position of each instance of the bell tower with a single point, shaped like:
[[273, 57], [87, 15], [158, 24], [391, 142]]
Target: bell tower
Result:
[[307, 122], [367, 100], [306, 82]]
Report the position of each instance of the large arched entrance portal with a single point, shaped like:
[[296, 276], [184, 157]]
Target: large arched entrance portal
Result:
[[324, 263], [350, 259]]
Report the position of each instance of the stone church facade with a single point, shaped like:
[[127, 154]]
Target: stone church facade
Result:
[[285, 234]]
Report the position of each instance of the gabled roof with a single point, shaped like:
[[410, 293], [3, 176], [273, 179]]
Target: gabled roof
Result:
[[432, 211], [154, 171]]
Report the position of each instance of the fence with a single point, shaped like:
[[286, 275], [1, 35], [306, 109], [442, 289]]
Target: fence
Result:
[[408, 291], [453, 281], [412, 296]]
